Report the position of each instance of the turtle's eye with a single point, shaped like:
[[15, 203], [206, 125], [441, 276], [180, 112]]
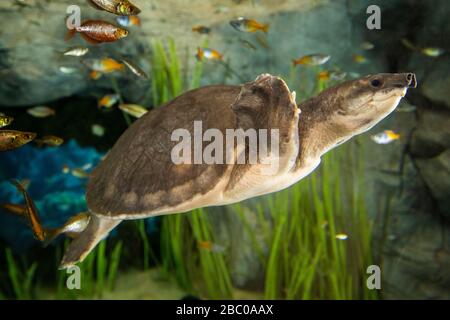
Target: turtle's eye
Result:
[[376, 83]]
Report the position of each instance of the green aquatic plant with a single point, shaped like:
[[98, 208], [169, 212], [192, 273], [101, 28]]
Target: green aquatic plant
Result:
[[147, 251], [113, 265], [21, 278], [214, 269], [169, 79], [319, 245]]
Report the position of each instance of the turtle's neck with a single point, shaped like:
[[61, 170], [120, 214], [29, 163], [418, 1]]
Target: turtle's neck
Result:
[[317, 134]]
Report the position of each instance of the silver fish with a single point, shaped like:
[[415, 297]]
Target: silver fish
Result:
[[76, 51], [135, 69], [134, 110], [67, 70], [41, 112]]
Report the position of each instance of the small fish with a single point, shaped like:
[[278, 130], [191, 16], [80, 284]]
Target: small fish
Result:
[[392, 237], [67, 70], [87, 166], [65, 169], [32, 213], [404, 107], [106, 65], [118, 7], [201, 29], [338, 75], [98, 130], [128, 21], [209, 54], [74, 226], [316, 59], [71, 228], [41, 112], [248, 25], [408, 44], [16, 209], [76, 172], [77, 51], [209, 246], [366, 45], [49, 140], [95, 75], [79, 173], [358, 58], [247, 44], [5, 121], [323, 76], [98, 31], [385, 137], [135, 69], [108, 101], [331, 75], [341, 236], [134, 110], [354, 75], [12, 139], [432, 52]]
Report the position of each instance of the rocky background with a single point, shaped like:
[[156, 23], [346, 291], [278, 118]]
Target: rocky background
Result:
[[408, 183]]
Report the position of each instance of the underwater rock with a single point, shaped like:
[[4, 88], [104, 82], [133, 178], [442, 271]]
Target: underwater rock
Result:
[[246, 271], [414, 244], [410, 206], [436, 174], [432, 135], [31, 43], [383, 174], [433, 73], [435, 85]]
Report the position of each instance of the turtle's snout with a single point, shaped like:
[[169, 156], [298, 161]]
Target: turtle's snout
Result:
[[411, 80], [395, 80]]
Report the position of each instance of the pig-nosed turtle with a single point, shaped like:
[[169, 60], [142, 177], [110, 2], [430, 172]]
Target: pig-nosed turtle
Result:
[[139, 179]]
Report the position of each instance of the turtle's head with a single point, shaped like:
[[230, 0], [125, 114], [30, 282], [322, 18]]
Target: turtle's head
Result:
[[358, 105], [350, 108]]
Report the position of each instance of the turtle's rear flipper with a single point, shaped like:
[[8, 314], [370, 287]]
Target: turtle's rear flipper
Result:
[[79, 248]]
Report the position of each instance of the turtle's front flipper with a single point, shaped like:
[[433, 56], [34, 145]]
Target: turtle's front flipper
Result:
[[79, 248]]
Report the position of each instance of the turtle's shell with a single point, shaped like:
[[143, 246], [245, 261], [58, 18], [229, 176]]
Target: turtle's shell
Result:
[[138, 177]]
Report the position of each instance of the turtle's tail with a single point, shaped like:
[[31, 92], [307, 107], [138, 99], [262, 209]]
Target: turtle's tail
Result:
[[79, 248]]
